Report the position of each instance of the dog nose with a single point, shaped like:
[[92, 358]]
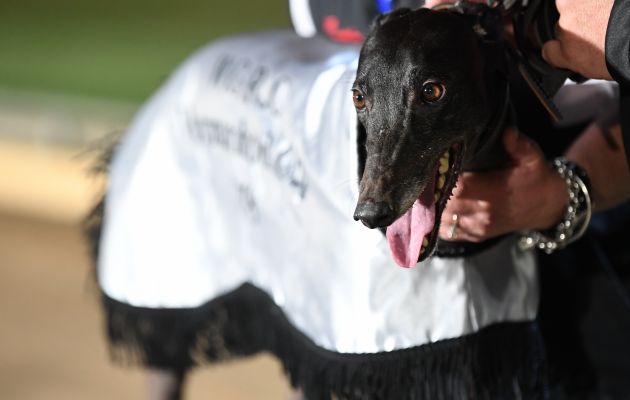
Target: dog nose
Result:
[[374, 215]]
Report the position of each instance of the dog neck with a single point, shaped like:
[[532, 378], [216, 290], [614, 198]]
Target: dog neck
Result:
[[486, 152]]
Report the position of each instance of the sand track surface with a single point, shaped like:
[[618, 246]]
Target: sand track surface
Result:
[[51, 340]]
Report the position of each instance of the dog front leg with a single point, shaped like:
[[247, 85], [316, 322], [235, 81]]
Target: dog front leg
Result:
[[165, 384]]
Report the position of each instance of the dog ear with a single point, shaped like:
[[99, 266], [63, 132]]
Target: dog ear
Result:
[[378, 22], [382, 19], [489, 25]]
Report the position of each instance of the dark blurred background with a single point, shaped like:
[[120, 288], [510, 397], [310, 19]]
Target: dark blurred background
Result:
[[71, 73]]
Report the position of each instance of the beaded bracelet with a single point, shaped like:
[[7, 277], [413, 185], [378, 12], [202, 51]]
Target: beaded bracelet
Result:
[[576, 217]]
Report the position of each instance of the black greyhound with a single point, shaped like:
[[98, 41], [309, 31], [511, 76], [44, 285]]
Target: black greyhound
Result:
[[432, 99], [431, 95]]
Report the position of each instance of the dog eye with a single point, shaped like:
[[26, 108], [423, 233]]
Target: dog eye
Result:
[[432, 92], [359, 99]]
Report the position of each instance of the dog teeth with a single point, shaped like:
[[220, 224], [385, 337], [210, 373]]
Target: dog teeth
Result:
[[441, 181], [443, 165], [425, 244]]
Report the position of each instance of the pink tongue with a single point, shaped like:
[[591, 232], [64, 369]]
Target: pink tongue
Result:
[[406, 234]]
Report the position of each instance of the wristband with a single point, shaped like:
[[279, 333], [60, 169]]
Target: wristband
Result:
[[576, 217]]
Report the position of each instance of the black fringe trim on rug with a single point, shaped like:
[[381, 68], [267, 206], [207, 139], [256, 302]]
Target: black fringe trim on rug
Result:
[[503, 361]]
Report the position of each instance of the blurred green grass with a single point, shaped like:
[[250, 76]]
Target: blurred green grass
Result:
[[115, 50]]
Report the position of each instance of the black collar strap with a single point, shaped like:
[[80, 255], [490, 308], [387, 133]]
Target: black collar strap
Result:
[[451, 249]]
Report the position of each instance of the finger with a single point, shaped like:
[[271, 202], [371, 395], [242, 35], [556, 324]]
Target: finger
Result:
[[461, 206], [433, 3], [446, 225], [459, 235], [463, 231], [553, 53], [472, 227], [478, 188], [471, 217], [511, 140]]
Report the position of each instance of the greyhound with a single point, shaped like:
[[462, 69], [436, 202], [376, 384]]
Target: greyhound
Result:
[[431, 96]]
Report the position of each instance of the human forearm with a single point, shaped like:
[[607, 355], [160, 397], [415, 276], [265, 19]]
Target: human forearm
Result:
[[602, 156]]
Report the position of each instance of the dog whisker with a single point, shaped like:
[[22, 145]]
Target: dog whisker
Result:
[[345, 184]]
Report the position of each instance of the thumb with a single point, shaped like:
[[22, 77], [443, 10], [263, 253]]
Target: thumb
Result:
[[511, 140], [553, 53], [520, 148]]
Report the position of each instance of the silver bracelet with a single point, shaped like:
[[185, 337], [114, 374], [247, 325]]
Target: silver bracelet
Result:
[[576, 217]]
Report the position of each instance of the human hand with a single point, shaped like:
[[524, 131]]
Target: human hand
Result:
[[528, 194], [580, 38]]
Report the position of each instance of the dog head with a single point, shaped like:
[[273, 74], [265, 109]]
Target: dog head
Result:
[[423, 103]]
